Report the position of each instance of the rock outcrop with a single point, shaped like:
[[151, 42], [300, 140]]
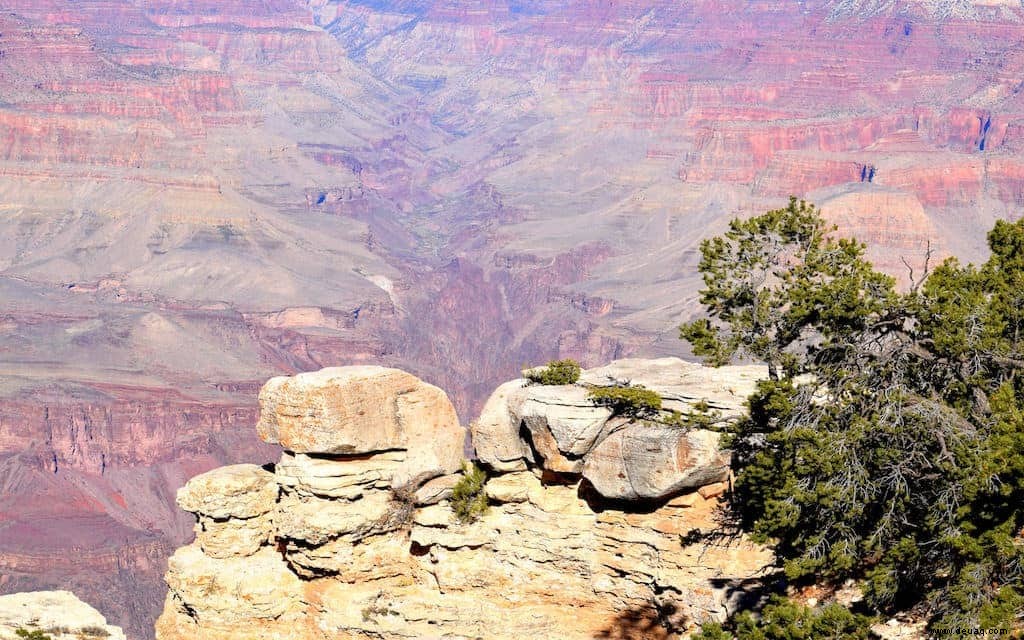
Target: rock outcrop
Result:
[[622, 459], [232, 506], [361, 540], [58, 614], [328, 412]]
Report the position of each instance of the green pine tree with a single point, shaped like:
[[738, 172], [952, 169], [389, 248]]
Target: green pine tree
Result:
[[887, 444]]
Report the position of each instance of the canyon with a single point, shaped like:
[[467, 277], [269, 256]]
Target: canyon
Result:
[[198, 195]]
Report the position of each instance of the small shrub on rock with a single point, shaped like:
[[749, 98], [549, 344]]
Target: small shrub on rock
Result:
[[557, 372], [469, 501], [375, 611], [783, 619], [635, 402], [401, 510], [700, 416], [34, 634]]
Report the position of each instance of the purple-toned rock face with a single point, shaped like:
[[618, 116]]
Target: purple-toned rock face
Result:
[[197, 196]]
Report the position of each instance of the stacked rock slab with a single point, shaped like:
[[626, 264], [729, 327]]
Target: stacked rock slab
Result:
[[360, 443], [352, 534], [233, 508], [361, 411]]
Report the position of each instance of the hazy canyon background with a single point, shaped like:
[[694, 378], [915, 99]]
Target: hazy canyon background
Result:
[[196, 195]]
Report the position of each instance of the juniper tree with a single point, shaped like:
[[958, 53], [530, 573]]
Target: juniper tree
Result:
[[887, 444], [782, 619]]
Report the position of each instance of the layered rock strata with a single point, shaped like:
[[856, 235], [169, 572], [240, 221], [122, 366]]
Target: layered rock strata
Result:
[[355, 536]]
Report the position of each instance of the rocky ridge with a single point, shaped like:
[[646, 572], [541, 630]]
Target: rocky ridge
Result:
[[353, 534]]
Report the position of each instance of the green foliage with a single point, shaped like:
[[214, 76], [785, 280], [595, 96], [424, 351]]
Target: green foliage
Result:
[[469, 501], [638, 402], [700, 416], [712, 631], [773, 279], [887, 444], [34, 634], [633, 401], [782, 619], [557, 372]]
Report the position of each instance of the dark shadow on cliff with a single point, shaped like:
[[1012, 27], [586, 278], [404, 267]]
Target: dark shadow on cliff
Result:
[[750, 594], [663, 619], [599, 503], [642, 623], [727, 524]]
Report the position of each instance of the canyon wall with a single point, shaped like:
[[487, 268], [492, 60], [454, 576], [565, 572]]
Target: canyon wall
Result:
[[199, 195], [356, 532]]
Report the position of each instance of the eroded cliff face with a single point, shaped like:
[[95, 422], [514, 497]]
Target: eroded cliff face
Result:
[[352, 533]]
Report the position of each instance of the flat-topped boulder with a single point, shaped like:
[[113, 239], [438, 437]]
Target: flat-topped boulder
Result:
[[359, 410], [682, 384], [567, 414], [234, 491]]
